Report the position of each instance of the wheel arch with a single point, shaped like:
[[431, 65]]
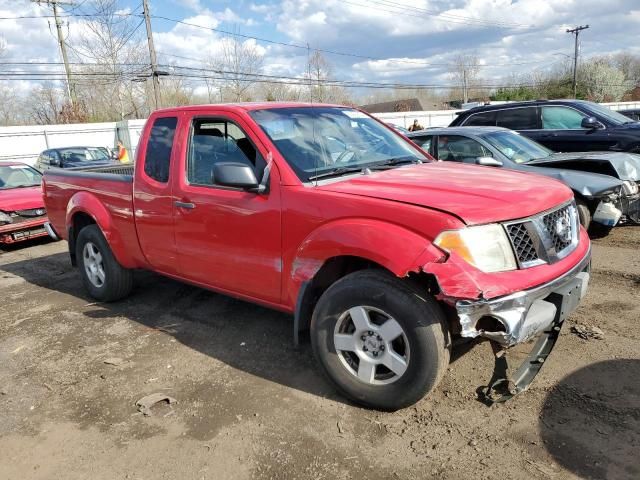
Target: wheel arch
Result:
[[85, 209], [346, 245]]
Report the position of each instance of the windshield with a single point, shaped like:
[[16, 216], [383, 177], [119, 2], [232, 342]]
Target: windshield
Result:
[[87, 154], [16, 176], [515, 147], [611, 115], [317, 141]]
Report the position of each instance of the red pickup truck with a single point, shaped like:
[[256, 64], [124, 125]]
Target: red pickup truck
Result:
[[324, 212]]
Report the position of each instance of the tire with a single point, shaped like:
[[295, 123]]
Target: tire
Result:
[[103, 277], [375, 298], [583, 213]]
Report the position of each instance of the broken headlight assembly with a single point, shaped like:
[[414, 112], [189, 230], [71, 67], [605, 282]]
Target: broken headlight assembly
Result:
[[5, 218], [629, 188], [486, 247]]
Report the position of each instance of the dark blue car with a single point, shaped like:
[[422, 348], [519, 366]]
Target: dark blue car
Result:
[[73, 157]]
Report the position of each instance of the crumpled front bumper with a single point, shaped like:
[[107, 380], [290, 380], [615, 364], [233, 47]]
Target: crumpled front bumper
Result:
[[631, 207], [523, 315], [18, 232]]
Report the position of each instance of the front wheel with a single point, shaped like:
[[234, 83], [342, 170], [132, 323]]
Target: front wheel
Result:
[[103, 277], [382, 342]]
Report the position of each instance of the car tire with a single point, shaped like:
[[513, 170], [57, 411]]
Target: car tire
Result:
[[584, 214], [103, 277], [371, 311]]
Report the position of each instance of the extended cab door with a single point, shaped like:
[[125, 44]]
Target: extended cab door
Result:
[[153, 200], [227, 238]]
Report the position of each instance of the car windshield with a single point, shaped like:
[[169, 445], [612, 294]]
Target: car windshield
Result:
[[515, 147], [611, 115], [330, 141], [17, 176], [84, 154]]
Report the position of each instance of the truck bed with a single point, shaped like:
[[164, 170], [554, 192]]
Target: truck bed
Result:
[[110, 187]]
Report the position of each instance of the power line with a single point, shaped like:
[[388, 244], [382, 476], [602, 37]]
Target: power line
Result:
[[66, 15], [406, 10], [330, 52]]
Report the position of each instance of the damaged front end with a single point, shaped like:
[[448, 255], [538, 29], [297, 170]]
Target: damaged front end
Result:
[[515, 317], [518, 318]]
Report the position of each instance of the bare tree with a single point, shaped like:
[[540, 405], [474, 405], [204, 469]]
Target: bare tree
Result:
[[320, 87], [236, 66], [279, 92], [465, 72], [45, 104], [111, 42]]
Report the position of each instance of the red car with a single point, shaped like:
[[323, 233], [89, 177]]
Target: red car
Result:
[[328, 214], [22, 212]]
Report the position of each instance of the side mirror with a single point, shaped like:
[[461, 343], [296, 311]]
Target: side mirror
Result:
[[54, 162], [236, 175], [591, 123], [488, 162]]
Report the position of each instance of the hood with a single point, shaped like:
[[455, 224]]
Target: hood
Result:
[[474, 194], [622, 165], [585, 183], [21, 199]]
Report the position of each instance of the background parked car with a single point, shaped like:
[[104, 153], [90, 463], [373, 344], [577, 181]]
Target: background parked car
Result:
[[603, 199], [69, 157], [632, 113], [22, 211], [561, 125]]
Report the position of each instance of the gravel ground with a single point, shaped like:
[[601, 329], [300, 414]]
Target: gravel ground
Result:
[[250, 405]]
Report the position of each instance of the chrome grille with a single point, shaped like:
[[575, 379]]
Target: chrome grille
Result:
[[560, 239], [545, 238], [522, 243]]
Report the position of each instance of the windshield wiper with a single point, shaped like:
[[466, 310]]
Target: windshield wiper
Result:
[[392, 162], [335, 172], [25, 186]]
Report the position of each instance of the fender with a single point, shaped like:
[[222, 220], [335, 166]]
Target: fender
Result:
[[395, 248], [89, 204]]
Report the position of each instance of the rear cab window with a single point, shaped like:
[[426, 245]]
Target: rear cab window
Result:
[[159, 146]]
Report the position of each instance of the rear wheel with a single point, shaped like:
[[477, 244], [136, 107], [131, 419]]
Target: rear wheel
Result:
[[103, 277], [383, 343]]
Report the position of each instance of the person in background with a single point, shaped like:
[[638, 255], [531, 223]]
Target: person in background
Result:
[[123, 155], [415, 126]]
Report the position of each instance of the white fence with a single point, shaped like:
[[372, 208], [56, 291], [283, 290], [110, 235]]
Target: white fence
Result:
[[24, 143]]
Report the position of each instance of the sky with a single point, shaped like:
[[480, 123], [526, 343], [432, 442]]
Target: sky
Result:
[[413, 41]]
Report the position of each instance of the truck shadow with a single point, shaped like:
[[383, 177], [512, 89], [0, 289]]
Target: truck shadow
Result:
[[244, 336], [590, 421]]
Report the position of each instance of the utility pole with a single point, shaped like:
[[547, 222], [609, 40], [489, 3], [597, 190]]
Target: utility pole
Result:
[[152, 54], [465, 94], [63, 49], [575, 32]]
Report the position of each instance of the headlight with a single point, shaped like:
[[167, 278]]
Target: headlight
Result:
[[629, 188], [486, 247], [5, 218]]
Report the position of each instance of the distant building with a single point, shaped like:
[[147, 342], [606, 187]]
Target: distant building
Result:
[[408, 105]]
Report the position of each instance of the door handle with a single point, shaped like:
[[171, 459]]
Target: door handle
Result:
[[187, 205]]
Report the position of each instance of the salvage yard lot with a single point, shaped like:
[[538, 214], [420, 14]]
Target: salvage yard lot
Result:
[[250, 405]]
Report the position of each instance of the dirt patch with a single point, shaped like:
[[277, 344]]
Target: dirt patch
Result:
[[250, 405]]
